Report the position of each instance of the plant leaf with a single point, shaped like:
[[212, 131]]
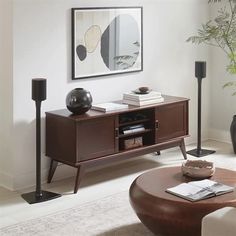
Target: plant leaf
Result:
[[228, 84], [231, 69]]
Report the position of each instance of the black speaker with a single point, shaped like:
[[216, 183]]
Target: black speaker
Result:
[[200, 69], [39, 89]]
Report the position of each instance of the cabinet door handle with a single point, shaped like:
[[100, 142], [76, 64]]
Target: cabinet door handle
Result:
[[157, 125], [116, 132]]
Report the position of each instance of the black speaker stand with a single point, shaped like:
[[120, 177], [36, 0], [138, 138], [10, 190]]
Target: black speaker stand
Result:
[[199, 152], [38, 195], [33, 197]]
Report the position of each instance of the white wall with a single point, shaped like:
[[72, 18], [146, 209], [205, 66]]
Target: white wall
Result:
[[6, 93], [222, 103], [42, 49], [170, 62]]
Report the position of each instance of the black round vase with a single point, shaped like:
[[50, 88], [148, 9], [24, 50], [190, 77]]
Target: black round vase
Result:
[[233, 132], [79, 101]]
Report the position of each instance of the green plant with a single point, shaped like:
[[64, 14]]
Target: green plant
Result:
[[221, 32]]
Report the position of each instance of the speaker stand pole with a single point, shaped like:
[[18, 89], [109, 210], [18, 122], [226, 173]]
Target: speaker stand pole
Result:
[[38, 150], [38, 195], [199, 152]]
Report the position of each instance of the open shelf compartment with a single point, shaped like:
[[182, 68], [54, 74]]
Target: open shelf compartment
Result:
[[136, 129]]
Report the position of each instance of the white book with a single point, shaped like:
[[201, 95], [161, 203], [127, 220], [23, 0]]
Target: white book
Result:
[[141, 100], [141, 97], [130, 131], [109, 106], [143, 103], [198, 190]]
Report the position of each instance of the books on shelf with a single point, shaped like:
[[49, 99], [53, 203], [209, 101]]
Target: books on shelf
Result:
[[133, 129], [109, 106], [143, 102], [141, 97], [199, 190]]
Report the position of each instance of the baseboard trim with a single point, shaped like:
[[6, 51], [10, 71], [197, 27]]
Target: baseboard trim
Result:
[[220, 135], [6, 181], [27, 180]]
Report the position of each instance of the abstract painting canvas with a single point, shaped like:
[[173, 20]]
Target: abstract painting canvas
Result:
[[106, 41]]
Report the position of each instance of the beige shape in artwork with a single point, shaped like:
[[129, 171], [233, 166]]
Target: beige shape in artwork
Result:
[[92, 38]]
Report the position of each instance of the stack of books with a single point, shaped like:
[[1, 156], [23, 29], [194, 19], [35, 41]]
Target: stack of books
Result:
[[142, 99], [133, 129]]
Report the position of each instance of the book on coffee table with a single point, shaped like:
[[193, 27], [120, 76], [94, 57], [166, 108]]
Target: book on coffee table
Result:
[[199, 190]]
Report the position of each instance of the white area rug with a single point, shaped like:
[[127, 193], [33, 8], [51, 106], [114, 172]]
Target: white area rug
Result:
[[112, 215]]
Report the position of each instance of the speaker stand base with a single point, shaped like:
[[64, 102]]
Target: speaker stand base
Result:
[[32, 198], [200, 152]]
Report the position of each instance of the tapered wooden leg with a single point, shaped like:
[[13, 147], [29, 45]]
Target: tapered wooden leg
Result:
[[53, 166], [182, 148], [79, 175]]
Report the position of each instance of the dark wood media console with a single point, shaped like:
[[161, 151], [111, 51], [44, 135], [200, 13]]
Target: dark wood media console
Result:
[[96, 137]]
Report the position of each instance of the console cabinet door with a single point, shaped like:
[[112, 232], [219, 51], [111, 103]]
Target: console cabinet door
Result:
[[95, 138], [171, 121]]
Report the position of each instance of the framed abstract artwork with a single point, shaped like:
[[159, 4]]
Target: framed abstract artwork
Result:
[[106, 41]]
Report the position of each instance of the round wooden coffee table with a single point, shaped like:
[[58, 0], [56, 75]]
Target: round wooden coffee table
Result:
[[166, 214]]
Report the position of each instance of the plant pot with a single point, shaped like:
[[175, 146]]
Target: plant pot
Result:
[[233, 132]]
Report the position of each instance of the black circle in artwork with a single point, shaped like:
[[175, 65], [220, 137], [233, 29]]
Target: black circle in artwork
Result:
[[79, 101], [120, 43], [81, 52]]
